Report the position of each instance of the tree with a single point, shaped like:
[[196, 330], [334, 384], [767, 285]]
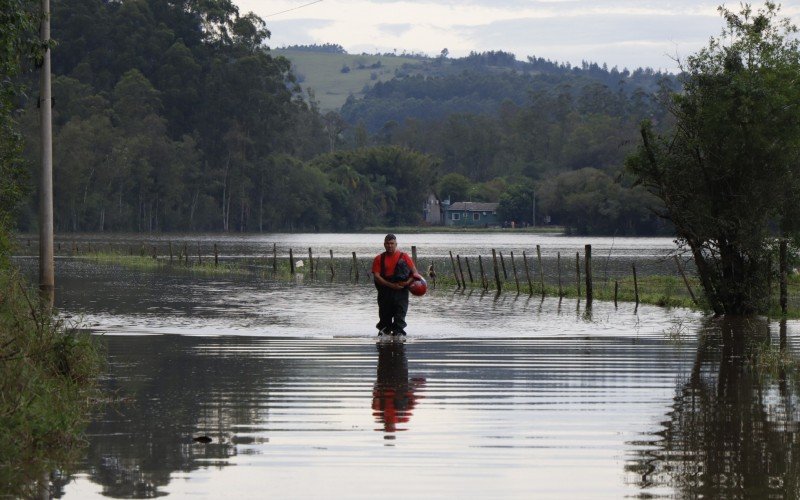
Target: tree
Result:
[[727, 173], [17, 23]]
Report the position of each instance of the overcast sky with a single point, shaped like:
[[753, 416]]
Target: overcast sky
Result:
[[623, 33]]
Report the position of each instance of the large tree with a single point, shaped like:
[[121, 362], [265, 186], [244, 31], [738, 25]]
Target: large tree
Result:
[[727, 172], [17, 25]]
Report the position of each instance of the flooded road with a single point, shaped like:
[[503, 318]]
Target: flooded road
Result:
[[506, 396]]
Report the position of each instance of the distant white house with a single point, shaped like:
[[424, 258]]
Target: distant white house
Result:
[[432, 212]]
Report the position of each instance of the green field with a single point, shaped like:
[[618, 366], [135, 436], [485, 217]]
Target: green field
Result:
[[322, 73]]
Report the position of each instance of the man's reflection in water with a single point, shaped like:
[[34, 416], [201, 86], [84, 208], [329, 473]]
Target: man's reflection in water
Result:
[[394, 396]]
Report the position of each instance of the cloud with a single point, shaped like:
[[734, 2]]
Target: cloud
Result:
[[625, 33], [621, 40], [395, 29]]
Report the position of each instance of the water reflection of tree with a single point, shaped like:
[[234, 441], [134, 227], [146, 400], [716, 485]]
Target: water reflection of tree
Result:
[[733, 429], [179, 387]]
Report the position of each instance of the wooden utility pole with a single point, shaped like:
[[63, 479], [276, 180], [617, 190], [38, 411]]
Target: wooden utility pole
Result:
[[46, 258]]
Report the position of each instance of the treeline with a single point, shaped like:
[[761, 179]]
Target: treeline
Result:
[[509, 133], [173, 116]]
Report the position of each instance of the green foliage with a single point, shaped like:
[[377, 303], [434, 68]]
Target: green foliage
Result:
[[377, 185], [47, 382], [590, 202], [17, 25], [727, 173]]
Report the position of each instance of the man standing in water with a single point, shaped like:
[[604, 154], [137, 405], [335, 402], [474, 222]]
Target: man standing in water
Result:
[[392, 271]]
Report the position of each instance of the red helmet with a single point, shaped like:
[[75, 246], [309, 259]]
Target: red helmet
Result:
[[419, 286]]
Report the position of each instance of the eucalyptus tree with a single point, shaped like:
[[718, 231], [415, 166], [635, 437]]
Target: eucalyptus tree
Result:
[[728, 171], [17, 25]]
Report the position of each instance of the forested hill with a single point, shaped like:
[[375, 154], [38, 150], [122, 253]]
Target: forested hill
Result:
[[175, 116]]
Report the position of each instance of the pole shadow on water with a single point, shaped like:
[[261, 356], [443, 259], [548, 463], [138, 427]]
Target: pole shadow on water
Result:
[[733, 429], [394, 396]]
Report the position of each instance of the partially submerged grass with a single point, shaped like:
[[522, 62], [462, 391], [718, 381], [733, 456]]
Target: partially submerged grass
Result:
[[145, 263], [770, 361], [47, 388]]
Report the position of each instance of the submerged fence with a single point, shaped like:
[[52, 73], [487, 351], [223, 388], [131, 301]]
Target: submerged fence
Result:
[[667, 279]]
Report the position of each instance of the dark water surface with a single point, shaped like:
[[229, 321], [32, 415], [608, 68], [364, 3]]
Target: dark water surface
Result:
[[490, 396]]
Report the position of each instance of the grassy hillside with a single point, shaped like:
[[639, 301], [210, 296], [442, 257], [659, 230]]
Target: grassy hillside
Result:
[[322, 73]]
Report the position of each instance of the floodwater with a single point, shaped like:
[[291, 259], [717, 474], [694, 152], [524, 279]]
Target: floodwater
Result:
[[490, 396]]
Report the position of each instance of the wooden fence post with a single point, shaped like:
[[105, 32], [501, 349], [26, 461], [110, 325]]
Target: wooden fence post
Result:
[[588, 269], [186, 253], [469, 270], [503, 263], [274, 259], [578, 272], [558, 263], [199, 258], [635, 285], [333, 273], [455, 273], [484, 281], [155, 253], [496, 272], [461, 270], [310, 263], [616, 292], [514, 269], [291, 262], [541, 267], [414, 254], [355, 265], [784, 255], [685, 279], [527, 273], [216, 255]]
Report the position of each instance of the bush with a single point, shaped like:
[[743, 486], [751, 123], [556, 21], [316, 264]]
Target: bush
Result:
[[47, 388]]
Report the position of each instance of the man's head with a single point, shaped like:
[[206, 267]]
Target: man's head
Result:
[[390, 243]]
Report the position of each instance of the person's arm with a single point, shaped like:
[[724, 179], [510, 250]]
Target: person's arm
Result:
[[414, 272], [380, 280]]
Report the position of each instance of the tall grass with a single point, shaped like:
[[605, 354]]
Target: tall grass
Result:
[[47, 388]]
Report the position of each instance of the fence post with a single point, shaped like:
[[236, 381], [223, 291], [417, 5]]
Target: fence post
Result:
[[155, 253], [784, 253], [541, 267], [578, 272], [216, 255], [455, 274], [274, 259], [588, 266], [527, 273], [333, 273], [685, 279], [414, 254], [616, 292], [503, 263], [635, 285], [469, 270], [514, 269], [461, 270], [484, 281], [291, 262], [496, 272], [186, 253], [199, 258], [310, 263], [355, 266], [558, 263]]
